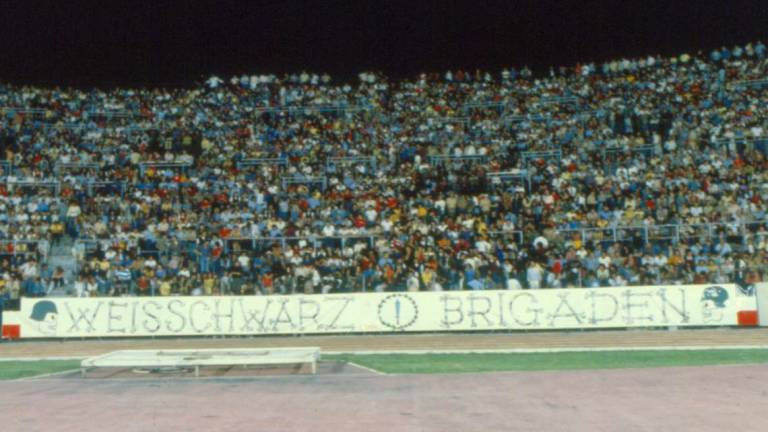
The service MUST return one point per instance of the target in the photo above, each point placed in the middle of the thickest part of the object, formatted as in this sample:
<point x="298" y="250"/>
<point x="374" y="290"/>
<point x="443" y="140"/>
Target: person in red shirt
<point x="266" y="283"/>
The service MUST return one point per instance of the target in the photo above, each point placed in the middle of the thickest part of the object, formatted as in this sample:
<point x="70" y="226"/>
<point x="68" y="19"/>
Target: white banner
<point x="691" y="305"/>
<point x="761" y="291"/>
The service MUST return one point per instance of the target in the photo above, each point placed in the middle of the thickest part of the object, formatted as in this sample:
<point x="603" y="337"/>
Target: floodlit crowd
<point x="632" y="172"/>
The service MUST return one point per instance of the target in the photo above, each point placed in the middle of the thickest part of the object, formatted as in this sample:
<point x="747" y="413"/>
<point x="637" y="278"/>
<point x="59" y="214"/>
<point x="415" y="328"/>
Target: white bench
<point x="193" y="358"/>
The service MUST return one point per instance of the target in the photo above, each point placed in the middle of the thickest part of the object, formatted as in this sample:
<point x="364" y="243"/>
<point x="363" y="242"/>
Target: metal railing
<point x="302" y="180"/>
<point x="515" y="176"/>
<point x="61" y="167"/>
<point x="314" y="109"/>
<point x="441" y="159"/>
<point x="42" y="112"/>
<point x="513" y="119"/>
<point x="743" y="141"/>
<point x="749" y="84"/>
<point x="93" y="186"/>
<point x="611" y="155"/>
<point x="350" y="160"/>
<point x="6" y="168"/>
<point x="315" y="241"/>
<point x="14" y="184"/>
<point x="29" y="246"/>
<point x="645" y="150"/>
<point x="261" y="161"/>
<point x="181" y="166"/>
<point x="729" y="232"/>
<point x="528" y="156"/>
<point x="674" y="233"/>
<point x="498" y="106"/>
<point x="515" y="236"/>
<point x="560" y="100"/>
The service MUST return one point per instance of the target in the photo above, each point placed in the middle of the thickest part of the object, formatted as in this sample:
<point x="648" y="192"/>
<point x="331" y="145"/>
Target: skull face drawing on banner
<point x="45" y="317"/>
<point x="713" y="304"/>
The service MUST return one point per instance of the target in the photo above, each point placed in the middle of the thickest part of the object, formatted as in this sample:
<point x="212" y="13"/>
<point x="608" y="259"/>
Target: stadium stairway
<point x="61" y="256"/>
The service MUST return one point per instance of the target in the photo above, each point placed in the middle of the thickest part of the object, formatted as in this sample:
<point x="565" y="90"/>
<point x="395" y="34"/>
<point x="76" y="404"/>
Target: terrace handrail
<point x="648" y="150"/>
<point x="13" y="183"/>
<point x="443" y="158"/>
<point x="719" y="141"/>
<point x="520" y="118"/>
<point x="674" y="233"/>
<point x="513" y="174"/>
<point x="291" y="180"/>
<point x="6" y="167"/>
<point x="179" y="165"/>
<point x="314" y="240"/>
<point x="349" y="160"/>
<point x="545" y="155"/>
<point x="60" y="166"/>
<point x="15" y="242"/>
<point x="559" y="100"/>
<point x="746" y="84"/>
<point x="313" y="108"/>
<point x="262" y="161"/>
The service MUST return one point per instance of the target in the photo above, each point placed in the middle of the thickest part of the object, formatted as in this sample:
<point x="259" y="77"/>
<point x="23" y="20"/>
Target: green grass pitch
<point x="482" y="362"/>
<point x="22" y="369"/>
<point x="478" y="362"/>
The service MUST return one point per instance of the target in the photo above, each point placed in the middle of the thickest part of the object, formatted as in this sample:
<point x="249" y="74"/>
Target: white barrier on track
<point x="197" y="358"/>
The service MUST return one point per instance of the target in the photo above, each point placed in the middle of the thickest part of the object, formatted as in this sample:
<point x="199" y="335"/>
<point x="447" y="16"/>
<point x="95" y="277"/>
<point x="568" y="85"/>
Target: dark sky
<point x="108" y="42"/>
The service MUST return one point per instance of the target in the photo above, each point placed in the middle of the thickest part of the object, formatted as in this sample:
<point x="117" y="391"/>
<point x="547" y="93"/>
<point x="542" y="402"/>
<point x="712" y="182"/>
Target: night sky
<point x="110" y="43"/>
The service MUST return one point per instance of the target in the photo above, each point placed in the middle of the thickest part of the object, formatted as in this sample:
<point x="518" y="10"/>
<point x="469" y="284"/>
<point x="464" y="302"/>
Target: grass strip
<point x="28" y="368"/>
<point x="488" y="362"/>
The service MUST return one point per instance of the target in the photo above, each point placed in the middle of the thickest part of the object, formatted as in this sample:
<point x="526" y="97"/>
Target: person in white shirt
<point x="29" y="270"/>
<point x="371" y="214"/>
<point x="90" y="287"/>
<point x="483" y="246"/>
<point x="150" y="263"/>
<point x="386" y="225"/>
<point x="244" y="261"/>
<point x="329" y="230"/>
<point x="534" y="274"/>
<point x="413" y="282"/>
<point x="214" y="82"/>
<point x="513" y="284"/>
<point x="80" y="287"/>
<point x="73" y="210"/>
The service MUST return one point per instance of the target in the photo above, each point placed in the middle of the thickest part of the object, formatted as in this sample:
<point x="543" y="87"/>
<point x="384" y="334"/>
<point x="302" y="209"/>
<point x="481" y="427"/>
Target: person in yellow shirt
<point x="395" y="217"/>
<point x="577" y="244"/>
<point x="209" y="283"/>
<point x="165" y="287"/>
<point x="675" y="259"/>
<point x="104" y="266"/>
<point x="427" y="275"/>
<point x="482" y="227"/>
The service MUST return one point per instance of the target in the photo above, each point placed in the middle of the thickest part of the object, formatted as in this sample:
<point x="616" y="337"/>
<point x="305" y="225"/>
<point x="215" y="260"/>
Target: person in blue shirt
<point x="725" y="53"/>
<point x="760" y="50"/>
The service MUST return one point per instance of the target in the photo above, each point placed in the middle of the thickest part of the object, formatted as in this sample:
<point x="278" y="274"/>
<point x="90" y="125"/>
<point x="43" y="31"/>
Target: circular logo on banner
<point x="398" y="311"/>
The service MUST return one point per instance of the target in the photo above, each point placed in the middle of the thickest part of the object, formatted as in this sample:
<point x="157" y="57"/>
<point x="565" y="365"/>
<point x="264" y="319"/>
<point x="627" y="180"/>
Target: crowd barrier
<point x="555" y="309"/>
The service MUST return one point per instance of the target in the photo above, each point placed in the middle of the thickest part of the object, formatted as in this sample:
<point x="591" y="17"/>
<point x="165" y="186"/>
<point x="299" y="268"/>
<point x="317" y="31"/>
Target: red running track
<point x="701" y="399"/>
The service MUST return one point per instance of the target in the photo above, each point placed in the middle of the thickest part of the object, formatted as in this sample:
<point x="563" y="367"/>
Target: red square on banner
<point x="747" y="318"/>
<point x="12" y="331"/>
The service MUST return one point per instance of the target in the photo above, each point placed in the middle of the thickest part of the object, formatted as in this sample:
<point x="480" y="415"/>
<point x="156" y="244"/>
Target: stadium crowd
<point x="632" y="172"/>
